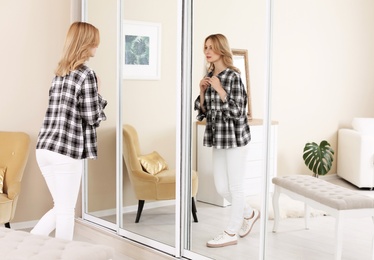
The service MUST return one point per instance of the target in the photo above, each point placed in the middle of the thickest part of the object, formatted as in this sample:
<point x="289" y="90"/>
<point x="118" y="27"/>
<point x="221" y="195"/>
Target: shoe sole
<point x="249" y="230"/>
<point x="222" y="245"/>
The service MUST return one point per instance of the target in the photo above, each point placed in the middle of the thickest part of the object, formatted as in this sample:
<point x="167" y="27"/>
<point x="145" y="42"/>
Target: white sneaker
<point x="222" y="240"/>
<point x="248" y="223"/>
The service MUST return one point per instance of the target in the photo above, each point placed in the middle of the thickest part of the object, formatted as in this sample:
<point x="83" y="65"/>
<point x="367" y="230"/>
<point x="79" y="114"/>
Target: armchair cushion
<point x="2" y="175"/>
<point x="153" y="163"/>
<point x="363" y="125"/>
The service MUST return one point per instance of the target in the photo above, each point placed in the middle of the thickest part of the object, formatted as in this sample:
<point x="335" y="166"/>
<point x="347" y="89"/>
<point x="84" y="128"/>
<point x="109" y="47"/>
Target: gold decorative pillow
<point x="153" y="163"/>
<point x="2" y="175"/>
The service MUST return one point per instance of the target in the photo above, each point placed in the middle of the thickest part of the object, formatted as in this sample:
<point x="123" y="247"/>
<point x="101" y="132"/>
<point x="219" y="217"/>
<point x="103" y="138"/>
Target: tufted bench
<point x="335" y="200"/>
<point x="23" y="245"/>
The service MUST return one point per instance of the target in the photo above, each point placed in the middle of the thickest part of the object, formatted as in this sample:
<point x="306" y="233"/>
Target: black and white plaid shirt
<point x="74" y="111"/>
<point x="226" y="122"/>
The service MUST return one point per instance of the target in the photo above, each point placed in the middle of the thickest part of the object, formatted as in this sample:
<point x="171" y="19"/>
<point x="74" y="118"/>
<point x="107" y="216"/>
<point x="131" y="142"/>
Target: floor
<point x="291" y="241"/>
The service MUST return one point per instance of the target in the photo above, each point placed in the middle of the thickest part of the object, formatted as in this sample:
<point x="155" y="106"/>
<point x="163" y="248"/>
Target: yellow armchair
<point x="14" y="152"/>
<point x="147" y="186"/>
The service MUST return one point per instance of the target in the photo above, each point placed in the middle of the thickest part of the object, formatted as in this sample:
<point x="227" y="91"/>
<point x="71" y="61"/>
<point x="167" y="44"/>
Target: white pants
<point x="63" y="176"/>
<point x="229" y="166"/>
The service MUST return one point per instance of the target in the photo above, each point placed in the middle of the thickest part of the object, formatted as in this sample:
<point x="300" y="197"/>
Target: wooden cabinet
<point x="253" y="177"/>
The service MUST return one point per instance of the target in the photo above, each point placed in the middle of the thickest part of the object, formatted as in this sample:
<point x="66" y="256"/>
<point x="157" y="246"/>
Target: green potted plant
<point x="318" y="158"/>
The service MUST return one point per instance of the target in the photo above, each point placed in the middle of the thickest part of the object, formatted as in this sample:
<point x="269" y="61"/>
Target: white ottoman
<point x="20" y="245"/>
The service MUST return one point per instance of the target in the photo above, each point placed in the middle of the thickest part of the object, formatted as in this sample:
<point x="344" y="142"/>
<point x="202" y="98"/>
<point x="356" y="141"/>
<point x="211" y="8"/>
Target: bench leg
<point x="338" y="238"/>
<point x="372" y="245"/>
<point x="307" y="215"/>
<point x="276" y="207"/>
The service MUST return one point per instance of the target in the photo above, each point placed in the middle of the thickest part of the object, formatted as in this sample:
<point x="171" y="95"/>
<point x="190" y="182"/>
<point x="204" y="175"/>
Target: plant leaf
<point x="318" y="158"/>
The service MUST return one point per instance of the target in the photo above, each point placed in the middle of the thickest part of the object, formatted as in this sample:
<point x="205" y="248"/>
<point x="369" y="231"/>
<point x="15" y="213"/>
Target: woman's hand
<point x="98" y="84"/>
<point x="216" y="84"/>
<point x="204" y="84"/>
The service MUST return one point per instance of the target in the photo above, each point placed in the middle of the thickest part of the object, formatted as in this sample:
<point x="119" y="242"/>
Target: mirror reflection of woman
<point x="222" y="101"/>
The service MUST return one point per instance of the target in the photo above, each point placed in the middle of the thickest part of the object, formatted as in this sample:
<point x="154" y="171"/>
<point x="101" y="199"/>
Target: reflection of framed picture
<point x="142" y="50"/>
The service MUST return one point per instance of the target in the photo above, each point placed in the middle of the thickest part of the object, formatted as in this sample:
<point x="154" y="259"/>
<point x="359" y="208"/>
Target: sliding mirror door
<point x="100" y="177"/>
<point x="149" y="122"/>
<point x="244" y="23"/>
<point x="152" y="109"/>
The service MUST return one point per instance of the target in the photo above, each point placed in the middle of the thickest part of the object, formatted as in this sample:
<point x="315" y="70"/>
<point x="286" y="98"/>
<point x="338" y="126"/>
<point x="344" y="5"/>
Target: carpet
<point x="288" y="208"/>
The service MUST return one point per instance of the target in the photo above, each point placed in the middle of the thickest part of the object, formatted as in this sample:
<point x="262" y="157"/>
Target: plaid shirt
<point x="226" y="122"/>
<point x="75" y="110"/>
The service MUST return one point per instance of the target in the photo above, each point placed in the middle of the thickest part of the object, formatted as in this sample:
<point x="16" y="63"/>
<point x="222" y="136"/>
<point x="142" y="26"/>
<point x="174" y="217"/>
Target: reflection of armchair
<point x="147" y="186"/>
<point x="14" y="152"/>
<point x="356" y="155"/>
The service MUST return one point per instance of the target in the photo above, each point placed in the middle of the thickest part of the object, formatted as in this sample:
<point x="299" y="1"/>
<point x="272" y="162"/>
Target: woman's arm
<point x="92" y="103"/>
<point x="236" y="99"/>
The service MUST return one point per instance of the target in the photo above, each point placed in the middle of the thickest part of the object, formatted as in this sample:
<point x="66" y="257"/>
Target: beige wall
<point x="33" y="33"/>
<point x="322" y="59"/>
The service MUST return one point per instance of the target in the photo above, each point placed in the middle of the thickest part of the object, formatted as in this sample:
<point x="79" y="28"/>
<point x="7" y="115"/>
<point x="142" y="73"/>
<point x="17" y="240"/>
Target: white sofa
<point x="355" y="155"/>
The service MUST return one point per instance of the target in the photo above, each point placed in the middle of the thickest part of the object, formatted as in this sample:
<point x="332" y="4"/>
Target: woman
<point x="222" y="101"/>
<point x="68" y="134"/>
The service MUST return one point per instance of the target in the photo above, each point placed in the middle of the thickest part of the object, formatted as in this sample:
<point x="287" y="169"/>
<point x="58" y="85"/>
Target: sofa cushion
<point x="363" y="125"/>
<point x="153" y="163"/>
<point x="2" y="176"/>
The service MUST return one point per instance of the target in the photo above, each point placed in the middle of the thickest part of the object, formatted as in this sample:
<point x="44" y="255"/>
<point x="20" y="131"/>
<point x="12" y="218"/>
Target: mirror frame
<point x="244" y="53"/>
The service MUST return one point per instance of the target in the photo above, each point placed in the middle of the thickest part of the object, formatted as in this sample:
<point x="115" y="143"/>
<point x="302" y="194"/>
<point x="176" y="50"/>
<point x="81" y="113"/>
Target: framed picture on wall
<point x="142" y="50"/>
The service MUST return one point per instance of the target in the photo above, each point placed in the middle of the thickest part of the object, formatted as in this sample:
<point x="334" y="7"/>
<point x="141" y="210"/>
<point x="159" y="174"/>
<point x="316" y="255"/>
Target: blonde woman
<point x="222" y="101"/>
<point x="68" y="133"/>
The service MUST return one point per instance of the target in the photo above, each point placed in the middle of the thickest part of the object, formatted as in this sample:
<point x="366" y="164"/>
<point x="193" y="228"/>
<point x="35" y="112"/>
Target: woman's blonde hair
<point x="80" y="39"/>
<point x="220" y="45"/>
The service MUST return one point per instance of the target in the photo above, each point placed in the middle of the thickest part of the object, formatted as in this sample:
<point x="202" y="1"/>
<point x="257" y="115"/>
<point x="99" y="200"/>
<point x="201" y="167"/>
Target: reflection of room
<point x="322" y="56"/>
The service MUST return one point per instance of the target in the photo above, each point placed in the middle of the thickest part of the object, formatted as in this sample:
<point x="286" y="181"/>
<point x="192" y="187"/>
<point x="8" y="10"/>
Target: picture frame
<point x="142" y="50"/>
<point x="240" y="60"/>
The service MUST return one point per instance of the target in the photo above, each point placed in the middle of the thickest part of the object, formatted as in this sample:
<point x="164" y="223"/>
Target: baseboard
<point x="23" y="225"/>
<point x="329" y="176"/>
<point x="102" y="213"/>
<point x="134" y="208"/>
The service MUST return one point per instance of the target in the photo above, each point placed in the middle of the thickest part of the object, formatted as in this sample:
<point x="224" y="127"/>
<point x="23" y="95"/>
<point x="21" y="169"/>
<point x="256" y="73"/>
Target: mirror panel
<point x="101" y="173"/>
<point x="248" y="45"/>
<point x="149" y="107"/>
<point x="156" y="126"/>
